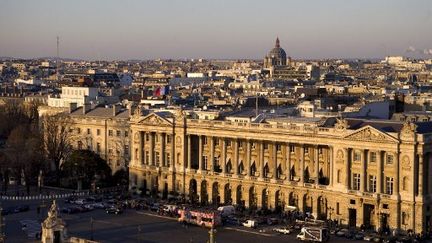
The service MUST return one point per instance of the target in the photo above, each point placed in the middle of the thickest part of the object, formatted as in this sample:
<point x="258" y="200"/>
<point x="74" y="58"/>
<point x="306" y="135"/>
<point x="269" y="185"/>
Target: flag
<point x="157" y="92"/>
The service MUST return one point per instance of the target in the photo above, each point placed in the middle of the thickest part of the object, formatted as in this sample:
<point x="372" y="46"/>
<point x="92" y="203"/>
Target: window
<point x="306" y="150"/>
<point x="168" y="138"/>
<point x="98" y="148"/>
<point x="204" y="165"/>
<point x="168" y="159"/>
<point x="357" y="156"/>
<point x="356" y="181"/>
<point x="385" y="206"/>
<point x="126" y="149"/>
<point x="110" y="133"/>
<point x="404" y="218"/>
<point x="291" y="148"/>
<point x="126" y="133"/>
<point x="372" y="183"/>
<point x="337" y="208"/>
<point x="88" y="131"/>
<point x="265" y="146"/>
<point x="79" y="130"/>
<point x="352" y="201"/>
<point x="372" y="157"/>
<point x="389" y="185"/>
<point x="157" y="158"/>
<point x="216" y="142"/>
<point x="147" y="137"/>
<point x="98" y="132"/>
<point x="278" y="147"/>
<point x="389" y="159"/>
<point x="118" y="133"/>
<point x="240" y="144"/>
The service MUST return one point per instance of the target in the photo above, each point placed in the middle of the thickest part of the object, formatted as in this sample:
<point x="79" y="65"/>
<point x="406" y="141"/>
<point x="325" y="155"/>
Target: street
<point x="139" y="226"/>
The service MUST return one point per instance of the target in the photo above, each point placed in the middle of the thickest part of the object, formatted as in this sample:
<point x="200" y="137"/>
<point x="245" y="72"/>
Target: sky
<point x="217" y="29"/>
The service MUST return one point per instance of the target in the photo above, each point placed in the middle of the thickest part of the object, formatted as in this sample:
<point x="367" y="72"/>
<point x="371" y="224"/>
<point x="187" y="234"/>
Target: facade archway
<point x="264" y="199"/>
<point x="239" y="196"/>
<point x="193" y="192"/>
<point x="279" y="201"/>
<point x="322" y="208"/>
<point x="215" y="194"/>
<point x="204" y="194"/>
<point x="293" y="200"/>
<point x="307" y="204"/>
<point x="227" y="194"/>
<point x="252" y="198"/>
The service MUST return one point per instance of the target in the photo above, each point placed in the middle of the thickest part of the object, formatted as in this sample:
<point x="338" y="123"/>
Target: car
<point x="284" y="231"/>
<point x="342" y="232"/>
<point x="80" y="201"/>
<point x="114" y="210"/>
<point x="369" y="237"/>
<point x="87" y="207"/>
<point x="272" y="221"/>
<point x="359" y="236"/>
<point x="99" y="205"/>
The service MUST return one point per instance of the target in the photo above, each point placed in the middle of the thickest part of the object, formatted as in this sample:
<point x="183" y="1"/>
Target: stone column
<point x="141" y="148"/>
<point x="248" y="157"/>
<point x="275" y="163"/>
<point x="212" y="157"/>
<point x="419" y="173"/>
<point x="331" y="165"/>
<point x="363" y="170"/>
<point x="235" y="162"/>
<point x="261" y="159"/>
<point x="347" y="168"/>
<point x="200" y="148"/>
<point x="288" y="157"/>
<point x="223" y="157"/>
<point x="302" y="163"/>
<point x="316" y="161"/>
<point x="162" y="150"/>
<point x="397" y="179"/>
<point x="189" y="152"/>
<point x="152" y="148"/>
<point x="379" y="171"/>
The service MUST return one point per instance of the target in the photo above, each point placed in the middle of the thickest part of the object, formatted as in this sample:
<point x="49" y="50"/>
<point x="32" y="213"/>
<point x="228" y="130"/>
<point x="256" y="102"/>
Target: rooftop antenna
<point x="58" y="57"/>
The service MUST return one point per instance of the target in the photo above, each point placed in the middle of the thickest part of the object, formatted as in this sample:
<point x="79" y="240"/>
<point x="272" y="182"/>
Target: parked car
<point x="342" y="232"/>
<point x="114" y="210"/>
<point x="99" y="205"/>
<point x="284" y="231"/>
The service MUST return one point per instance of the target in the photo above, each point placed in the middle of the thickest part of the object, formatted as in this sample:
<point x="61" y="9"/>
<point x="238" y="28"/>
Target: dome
<point x="277" y="51"/>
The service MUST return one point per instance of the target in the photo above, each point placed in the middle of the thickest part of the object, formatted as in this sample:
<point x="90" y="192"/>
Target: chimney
<point x="86" y="108"/>
<point x="72" y="107"/>
<point x="115" y="110"/>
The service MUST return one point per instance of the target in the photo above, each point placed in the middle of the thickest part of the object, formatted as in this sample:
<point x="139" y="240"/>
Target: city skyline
<point x="215" y="30"/>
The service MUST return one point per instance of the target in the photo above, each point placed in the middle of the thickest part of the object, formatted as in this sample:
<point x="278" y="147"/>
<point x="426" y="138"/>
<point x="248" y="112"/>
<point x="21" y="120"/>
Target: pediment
<point x="370" y="134"/>
<point x="154" y="119"/>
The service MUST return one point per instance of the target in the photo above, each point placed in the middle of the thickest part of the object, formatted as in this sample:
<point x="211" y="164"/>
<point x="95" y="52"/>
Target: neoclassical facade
<point x="375" y="173"/>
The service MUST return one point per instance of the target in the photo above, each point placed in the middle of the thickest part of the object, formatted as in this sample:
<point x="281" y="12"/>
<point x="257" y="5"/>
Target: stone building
<point x="375" y="173"/>
<point x="103" y="130"/>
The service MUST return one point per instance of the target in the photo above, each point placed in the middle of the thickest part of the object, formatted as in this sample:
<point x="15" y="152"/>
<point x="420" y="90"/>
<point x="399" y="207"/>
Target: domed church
<point x="276" y="56"/>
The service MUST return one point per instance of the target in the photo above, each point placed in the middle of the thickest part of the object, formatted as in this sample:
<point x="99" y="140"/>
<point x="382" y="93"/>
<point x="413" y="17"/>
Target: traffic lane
<point x="125" y="228"/>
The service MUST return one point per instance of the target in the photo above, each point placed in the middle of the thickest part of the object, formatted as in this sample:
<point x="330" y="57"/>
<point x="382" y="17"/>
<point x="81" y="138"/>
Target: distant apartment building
<point x="77" y="95"/>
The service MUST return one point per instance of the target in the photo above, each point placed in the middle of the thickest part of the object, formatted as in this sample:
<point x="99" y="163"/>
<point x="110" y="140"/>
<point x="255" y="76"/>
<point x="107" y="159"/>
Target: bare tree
<point x="57" y="138"/>
<point x="23" y="150"/>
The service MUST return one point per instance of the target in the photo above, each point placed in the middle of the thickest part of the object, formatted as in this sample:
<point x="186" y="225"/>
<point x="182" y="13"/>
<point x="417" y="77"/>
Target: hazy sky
<point x="145" y="29"/>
